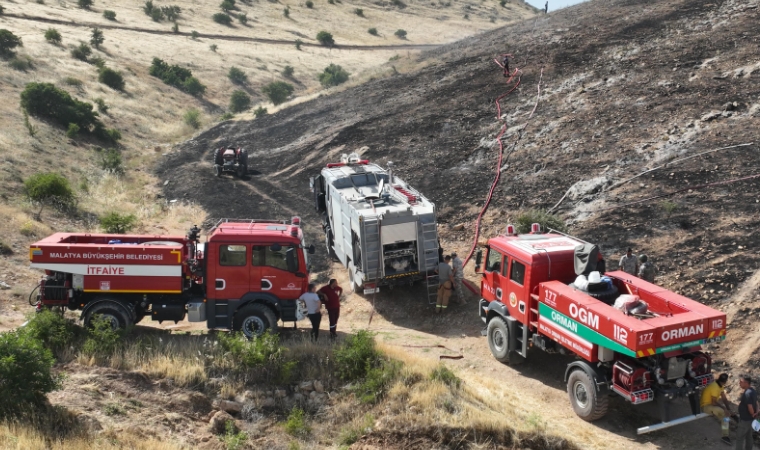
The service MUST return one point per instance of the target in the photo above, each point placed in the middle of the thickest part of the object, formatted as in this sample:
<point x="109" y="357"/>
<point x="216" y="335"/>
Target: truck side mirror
<point x="478" y="259"/>
<point x="312" y="249"/>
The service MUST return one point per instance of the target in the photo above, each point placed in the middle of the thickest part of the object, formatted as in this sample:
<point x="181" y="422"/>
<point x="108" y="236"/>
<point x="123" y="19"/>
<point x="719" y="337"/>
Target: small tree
<point x="193" y="118"/>
<point x="372" y="31"/>
<point x="110" y="15"/>
<point x="194" y="87"/>
<point x="84" y="4"/>
<point x="243" y="18"/>
<point x="237" y="76"/>
<point x="48" y="188"/>
<point x="298" y="44"/>
<point x="325" y="38"/>
<point x="227" y="5"/>
<point x="222" y="18"/>
<point x="53" y="36"/>
<point x="309" y="4"/>
<point x="96" y="37"/>
<point x="111" y="78"/>
<point x="101" y="104"/>
<point x="359" y="12"/>
<point x="213" y="47"/>
<point x="116" y="223"/>
<point x="72" y="131"/>
<point x="148" y="8"/>
<point x="401" y="34"/>
<point x="82" y="52"/>
<point x="240" y="101"/>
<point x="333" y="75"/>
<point x="278" y="91"/>
<point x="288" y="71"/>
<point x="8" y="42"/>
<point x="260" y="111"/>
<point x="110" y="161"/>
<point x="286" y="12"/>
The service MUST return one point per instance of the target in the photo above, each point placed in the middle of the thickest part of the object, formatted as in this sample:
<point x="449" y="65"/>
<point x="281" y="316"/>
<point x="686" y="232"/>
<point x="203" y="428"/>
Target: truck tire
<point x="218" y="159"/>
<point x="110" y="311"/>
<point x="242" y="170"/>
<point x="254" y="320"/>
<point x="588" y="403"/>
<point x="498" y="342"/>
<point x="217" y="170"/>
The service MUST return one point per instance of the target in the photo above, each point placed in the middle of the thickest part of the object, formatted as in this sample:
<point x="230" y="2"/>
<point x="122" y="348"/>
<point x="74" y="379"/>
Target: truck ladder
<point x="432" y="288"/>
<point x="429" y="247"/>
<point x="371" y="258"/>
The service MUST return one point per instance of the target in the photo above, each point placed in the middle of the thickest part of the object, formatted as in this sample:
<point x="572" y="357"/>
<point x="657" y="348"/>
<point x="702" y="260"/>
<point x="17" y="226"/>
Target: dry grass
<point x="18" y="437"/>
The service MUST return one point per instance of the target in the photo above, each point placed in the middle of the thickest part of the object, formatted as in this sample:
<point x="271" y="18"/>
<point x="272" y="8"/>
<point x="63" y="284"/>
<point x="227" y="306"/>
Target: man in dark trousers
<point x="546" y="7"/>
<point x="505" y="63"/>
<point x="313" y="306"/>
<point x="747" y="413"/>
<point x="332" y="293"/>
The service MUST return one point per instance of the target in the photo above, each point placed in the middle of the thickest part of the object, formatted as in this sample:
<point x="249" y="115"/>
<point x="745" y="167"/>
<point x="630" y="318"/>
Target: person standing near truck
<point x="313" y="306"/>
<point x="458" y="267"/>
<point x="332" y="293"/>
<point x="647" y="269"/>
<point x="445" y="282"/>
<point x="747" y="413"/>
<point x="629" y="263"/>
<point x="711" y="396"/>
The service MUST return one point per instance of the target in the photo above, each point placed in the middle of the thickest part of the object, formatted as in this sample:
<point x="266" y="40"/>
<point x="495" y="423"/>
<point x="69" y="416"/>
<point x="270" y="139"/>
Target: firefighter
<point x="445" y="282"/>
<point x="458" y="267"/>
<point x="647" y="269"/>
<point x="505" y="64"/>
<point x="313" y="307"/>
<point x="747" y="413"/>
<point x="629" y="263"/>
<point x="710" y="404"/>
<point x="546" y="7"/>
<point x="332" y="293"/>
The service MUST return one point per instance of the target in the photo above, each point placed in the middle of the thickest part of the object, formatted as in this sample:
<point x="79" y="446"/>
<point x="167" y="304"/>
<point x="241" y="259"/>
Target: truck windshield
<point x="286" y="258"/>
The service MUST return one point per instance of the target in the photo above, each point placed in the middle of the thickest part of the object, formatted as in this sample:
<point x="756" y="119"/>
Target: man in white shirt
<point x="313" y="307"/>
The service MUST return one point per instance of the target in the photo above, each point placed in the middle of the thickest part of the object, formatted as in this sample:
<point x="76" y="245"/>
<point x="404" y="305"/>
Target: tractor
<point x="231" y="159"/>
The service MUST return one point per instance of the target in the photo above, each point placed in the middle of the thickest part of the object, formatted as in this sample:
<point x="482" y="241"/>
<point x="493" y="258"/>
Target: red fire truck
<point x="246" y="276"/>
<point x="630" y="337"/>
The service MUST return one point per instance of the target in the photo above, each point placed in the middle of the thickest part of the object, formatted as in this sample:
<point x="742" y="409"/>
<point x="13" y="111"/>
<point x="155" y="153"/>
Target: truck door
<point x="492" y="287"/>
<point x="232" y="272"/>
<point x="281" y="271"/>
<point x="516" y="294"/>
<point x="318" y="188"/>
<point x="255" y="273"/>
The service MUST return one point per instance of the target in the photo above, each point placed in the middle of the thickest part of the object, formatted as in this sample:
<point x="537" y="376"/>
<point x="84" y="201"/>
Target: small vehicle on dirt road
<point x="247" y="276"/>
<point x="630" y="337"/>
<point x="231" y="159"/>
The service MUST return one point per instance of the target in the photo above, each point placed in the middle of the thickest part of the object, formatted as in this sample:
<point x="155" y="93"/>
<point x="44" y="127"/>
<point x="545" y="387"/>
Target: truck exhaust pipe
<point x="672" y="423"/>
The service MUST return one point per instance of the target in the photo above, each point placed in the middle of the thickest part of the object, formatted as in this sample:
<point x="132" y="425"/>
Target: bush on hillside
<point x="401" y="34"/>
<point x="355" y="356"/>
<point x="177" y="76"/>
<point x="277" y="91"/>
<point x="82" y="52"/>
<point x="333" y="75"/>
<point x="84" y="4"/>
<point x="298" y="43"/>
<point x="251" y="353"/>
<point x="192" y="118"/>
<point x="372" y="31"/>
<point x="359" y="12"/>
<point x="8" y="42"/>
<point x="101" y="104"/>
<point x="239" y="101"/>
<point x="110" y="15"/>
<point x="325" y="38"/>
<point x="46" y="100"/>
<point x="53" y="36"/>
<point x="111" y="78"/>
<point x="309" y="4"/>
<point x="222" y="18"/>
<point x="49" y="188"/>
<point x="243" y="18"/>
<point x="110" y="161"/>
<point x="53" y="331"/>
<point x="117" y="223"/>
<point x="72" y="131"/>
<point x="194" y="87"/>
<point x="531" y="216"/>
<point x="260" y="111"/>
<point x="96" y="37"/>
<point x="25" y="371"/>
<point x="21" y="63"/>
<point x="288" y="71"/>
<point x="171" y="12"/>
<point x="237" y="76"/>
<point x="227" y="5"/>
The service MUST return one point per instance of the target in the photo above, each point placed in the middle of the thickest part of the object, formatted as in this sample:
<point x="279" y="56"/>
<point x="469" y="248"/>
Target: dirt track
<point x="627" y="85"/>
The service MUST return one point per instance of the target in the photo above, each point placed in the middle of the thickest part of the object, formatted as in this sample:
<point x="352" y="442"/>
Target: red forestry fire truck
<point x="630" y="337"/>
<point x="246" y="276"/>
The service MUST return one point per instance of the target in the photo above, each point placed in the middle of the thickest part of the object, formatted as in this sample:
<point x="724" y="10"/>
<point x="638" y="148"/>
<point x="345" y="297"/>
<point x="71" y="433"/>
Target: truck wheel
<point x="242" y="170"/>
<point x="218" y="170"/>
<point x="587" y="402"/>
<point x="111" y="312"/>
<point x="218" y="159"/>
<point x="498" y="342"/>
<point x="254" y="320"/>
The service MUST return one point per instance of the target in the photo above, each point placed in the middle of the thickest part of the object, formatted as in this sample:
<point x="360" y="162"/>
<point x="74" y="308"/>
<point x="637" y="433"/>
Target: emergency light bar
<point x="535" y="228"/>
<point x="511" y="231"/>
<point x="295" y="220"/>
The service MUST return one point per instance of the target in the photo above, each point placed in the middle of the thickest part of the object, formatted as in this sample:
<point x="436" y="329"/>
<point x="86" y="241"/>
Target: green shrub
<point x="177" y="76"/>
<point x="52" y="330"/>
<point x="445" y="376"/>
<point x="377" y="381"/>
<point x="71" y="81"/>
<point x="96" y="37"/>
<point x="355" y="356"/>
<point x="98" y="62"/>
<point x="351" y="433"/>
<point x="372" y="31"/>
<point x="46" y="100"/>
<point x="227" y="5"/>
<point x="398" y="3"/>
<point x="8" y="42"/>
<point x="109" y="135"/>
<point x="171" y="12"/>
<point x="72" y="131"/>
<point x="260" y="111"/>
<point x="84" y="4"/>
<point x="401" y="34"/>
<point x="102" y="339"/>
<point x="175" y="28"/>
<point x="325" y="38"/>
<point x="222" y="18"/>
<point x="157" y="15"/>
<point x="53" y="36"/>
<point x="239" y="101"/>
<point x="503" y="3"/>
<point x="2" y="10"/>
<point x="194" y="35"/>
<point x="286" y="11"/>
<point x="526" y="218"/>
<point x="253" y="352"/>
<point x="21" y="63"/>
<point x="5" y="249"/>
<point x="296" y="424"/>
<point x="111" y="78"/>
<point x="213" y="47"/>
<point x="233" y="439"/>
<point x="110" y="15"/>
<point x="333" y="75"/>
<point x="298" y="43"/>
<point x="49" y="188"/>
<point x="288" y="71"/>
<point x="101" y="104"/>
<point x="110" y="161"/>
<point x="114" y="409"/>
<point x="309" y="4"/>
<point x="278" y="91"/>
<point x="243" y="18"/>
<point x="29" y="127"/>
<point x="237" y="76"/>
<point x="116" y="223"/>
<point x="148" y="7"/>
<point x="193" y="87"/>
<point x="82" y="52"/>
<point x="226" y="116"/>
<point x="192" y="118"/>
<point x="359" y="12"/>
<point x="25" y="371"/>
